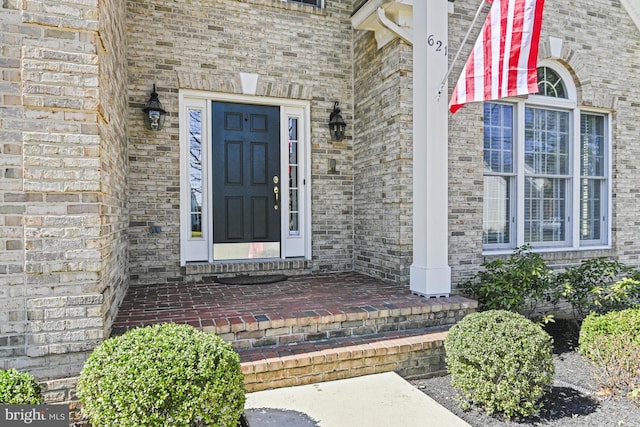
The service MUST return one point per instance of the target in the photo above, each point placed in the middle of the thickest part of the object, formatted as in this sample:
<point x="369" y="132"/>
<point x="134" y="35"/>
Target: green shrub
<point x="500" y="361"/>
<point x="163" y="375"/>
<point x="18" y="388"/>
<point x="612" y="342"/>
<point x="597" y="285"/>
<point x="516" y="284"/>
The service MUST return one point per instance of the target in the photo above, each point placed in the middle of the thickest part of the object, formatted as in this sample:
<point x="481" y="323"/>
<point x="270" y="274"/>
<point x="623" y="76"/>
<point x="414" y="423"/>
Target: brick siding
<point x="63" y="261"/>
<point x="81" y="180"/>
<point x="298" y="51"/>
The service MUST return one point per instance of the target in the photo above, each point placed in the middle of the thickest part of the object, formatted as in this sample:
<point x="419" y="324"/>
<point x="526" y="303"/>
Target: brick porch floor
<point x="306" y="321"/>
<point x="206" y="305"/>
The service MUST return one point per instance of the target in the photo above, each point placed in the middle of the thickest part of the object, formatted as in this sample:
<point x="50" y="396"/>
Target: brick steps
<point x="320" y="346"/>
<point x="410" y="353"/>
<point x="308" y="328"/>
<point x="267" y="330"/>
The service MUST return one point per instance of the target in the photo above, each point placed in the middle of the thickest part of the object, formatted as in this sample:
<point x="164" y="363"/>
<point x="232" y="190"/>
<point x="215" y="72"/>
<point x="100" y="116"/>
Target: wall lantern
<point x="337" y="124"/>
<point x="153" y="112"/>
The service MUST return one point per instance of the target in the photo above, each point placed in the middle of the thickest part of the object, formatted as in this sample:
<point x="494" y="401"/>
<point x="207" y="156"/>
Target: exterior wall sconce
<point x="154" y="114"/>
<point x="337" y="124"/>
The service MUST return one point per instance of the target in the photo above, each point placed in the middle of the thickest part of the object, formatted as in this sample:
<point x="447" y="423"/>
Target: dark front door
<point x="246" y="178"/>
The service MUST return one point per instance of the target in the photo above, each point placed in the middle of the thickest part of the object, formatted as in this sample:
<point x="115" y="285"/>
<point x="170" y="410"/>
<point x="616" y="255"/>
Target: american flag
<point x="503" y="61"/>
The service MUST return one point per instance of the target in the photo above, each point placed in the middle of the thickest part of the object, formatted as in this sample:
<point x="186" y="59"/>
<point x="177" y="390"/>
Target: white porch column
<point x="430" y="271"/>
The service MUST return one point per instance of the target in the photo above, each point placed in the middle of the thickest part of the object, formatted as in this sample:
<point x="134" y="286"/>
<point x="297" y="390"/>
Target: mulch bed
<point x="576" y="399"/>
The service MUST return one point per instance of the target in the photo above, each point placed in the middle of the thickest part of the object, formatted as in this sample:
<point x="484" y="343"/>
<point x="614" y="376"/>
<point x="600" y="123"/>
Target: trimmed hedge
<point x="612" y="342"/>
<point x="163" y="375"/>
<point x="18" y="388"/>
<point x="501" y="362"/>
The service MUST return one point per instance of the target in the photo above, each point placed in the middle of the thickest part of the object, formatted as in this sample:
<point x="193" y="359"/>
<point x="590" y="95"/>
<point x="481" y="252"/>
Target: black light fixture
<point x="153" y="112"/>
<point x="337" y="124"/>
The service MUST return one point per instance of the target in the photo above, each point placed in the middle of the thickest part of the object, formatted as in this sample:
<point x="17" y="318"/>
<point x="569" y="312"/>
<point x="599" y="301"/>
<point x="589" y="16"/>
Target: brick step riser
<point x="300" y="330"/>
<point x="411" y="357"/>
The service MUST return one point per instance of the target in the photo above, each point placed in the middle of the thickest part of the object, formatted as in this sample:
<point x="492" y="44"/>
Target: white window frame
<point x="201" y="249"/>
<point x="572" y="241"/>
<point x="192" y="247"/>
<point x="321" y="5"/>
<point x="513" y="179"/>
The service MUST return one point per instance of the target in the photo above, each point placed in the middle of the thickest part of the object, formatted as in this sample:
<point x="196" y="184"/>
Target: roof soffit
<point x="388" y="19"/>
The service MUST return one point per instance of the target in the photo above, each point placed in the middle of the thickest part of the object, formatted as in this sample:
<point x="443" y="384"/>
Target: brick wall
<point x="114" y="177"/>
<point x="465" y="161"/>
<point x="63" y="257"/>
<point x="382" y="158"/>
<point x="12" y="208"/>
<point x="298" y="51"/>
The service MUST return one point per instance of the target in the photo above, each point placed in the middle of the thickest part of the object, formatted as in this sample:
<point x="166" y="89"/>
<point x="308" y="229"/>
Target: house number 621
<point x="438" y="45"/>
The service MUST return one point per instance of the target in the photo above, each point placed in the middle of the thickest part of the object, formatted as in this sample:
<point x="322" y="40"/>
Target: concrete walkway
<point x="379" y="400"/>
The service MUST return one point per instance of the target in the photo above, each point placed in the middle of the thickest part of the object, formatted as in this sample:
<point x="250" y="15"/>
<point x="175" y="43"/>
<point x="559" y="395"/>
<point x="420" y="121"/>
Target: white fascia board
<point x="388" y="19"/>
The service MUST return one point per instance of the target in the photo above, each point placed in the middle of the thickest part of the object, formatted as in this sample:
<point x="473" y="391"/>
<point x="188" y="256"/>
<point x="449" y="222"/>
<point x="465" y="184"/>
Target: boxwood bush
<point x="612" y="342"/>
<point x="163" y="375"/>
<point x="18" y="388"/>
<point x="501" y="362"/>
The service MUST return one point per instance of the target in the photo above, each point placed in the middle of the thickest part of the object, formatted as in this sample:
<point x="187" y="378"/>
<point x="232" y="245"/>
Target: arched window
<point x="546" y="169"/>
<point x="550" y="83"/>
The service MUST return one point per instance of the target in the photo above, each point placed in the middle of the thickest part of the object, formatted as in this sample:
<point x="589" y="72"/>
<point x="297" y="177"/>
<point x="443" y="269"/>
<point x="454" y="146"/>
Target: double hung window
<point x="546" y="170"/>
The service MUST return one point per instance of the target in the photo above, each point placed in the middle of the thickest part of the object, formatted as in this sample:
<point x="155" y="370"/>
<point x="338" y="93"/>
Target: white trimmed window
<point x="546" y="170"/>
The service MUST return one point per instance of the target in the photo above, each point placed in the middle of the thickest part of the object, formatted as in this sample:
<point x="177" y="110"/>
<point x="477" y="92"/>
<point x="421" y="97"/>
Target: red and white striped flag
<point x="504" y="59"/>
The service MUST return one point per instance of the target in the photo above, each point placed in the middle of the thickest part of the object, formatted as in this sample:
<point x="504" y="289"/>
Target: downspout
<point x="393" y="27"/>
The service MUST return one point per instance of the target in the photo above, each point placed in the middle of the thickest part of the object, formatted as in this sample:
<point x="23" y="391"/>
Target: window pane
<point x="497" y="210"/>
<point x="550" y="83"/>
<point x="317" y="3"/>
<point x="195" y="171"/>
<point x="590" y="209"/>
<point x="498" y="138"/>
<point x="546" y="141"/>
<point x="592" y="171"/>
<point x="591" y="145"/>
<point x="545" y="205"/>
<point x="294" y="190"/>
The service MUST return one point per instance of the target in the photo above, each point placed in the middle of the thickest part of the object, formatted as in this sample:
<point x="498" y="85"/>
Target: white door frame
<point x="200" y="248"/>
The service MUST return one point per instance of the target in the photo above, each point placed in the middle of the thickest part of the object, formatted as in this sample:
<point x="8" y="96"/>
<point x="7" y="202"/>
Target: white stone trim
<point x="388" y="19"/>
<point x="249" y="83"/>
<point x="633" y="8"/>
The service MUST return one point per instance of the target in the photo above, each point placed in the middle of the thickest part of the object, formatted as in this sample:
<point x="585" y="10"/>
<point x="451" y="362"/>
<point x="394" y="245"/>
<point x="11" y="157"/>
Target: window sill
<point x="555" y="250"/>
